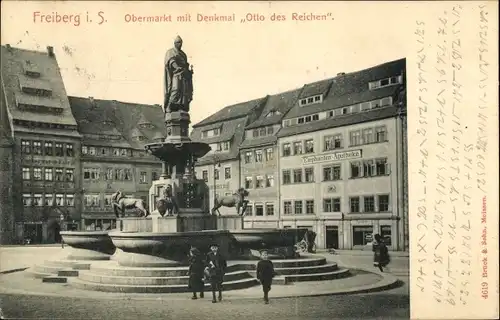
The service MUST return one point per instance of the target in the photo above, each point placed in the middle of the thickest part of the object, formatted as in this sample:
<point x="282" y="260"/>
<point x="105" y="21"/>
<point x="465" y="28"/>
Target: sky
<point x="233" y="61"/>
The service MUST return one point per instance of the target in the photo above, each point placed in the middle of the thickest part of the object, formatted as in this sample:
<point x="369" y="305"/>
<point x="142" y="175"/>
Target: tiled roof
<point x="238" y="110"/>
<point x="366" y="116"/>
<point x="111" y="117"/>
<point x="264" y="141"/>
<point x="281" y="102"/>
<point x="14" y="61"/>
<point x="350" y="88"/>
<point x="315" y="88"/>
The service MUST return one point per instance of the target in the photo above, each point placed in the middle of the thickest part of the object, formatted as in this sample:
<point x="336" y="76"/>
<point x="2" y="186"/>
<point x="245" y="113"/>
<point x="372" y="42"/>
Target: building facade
<point x="331" y="157"/>
<point x="56" y="151"/>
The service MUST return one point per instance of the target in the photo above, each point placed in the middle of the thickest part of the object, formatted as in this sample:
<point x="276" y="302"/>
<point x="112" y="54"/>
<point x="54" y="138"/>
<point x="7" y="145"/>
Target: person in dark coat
<point x="265" y="274"/>
<point x="381" y="253"/>
<point x="216" y="265"/>
<point x="196" y="267"/>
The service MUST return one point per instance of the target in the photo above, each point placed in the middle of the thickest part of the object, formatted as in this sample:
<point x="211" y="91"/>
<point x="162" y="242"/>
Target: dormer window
<point x="272" y="113"/>
<point x="385" y="82"/>
<point x="211" y="133"/>
<point x="30" y="69"/>
<point x="311" y="100"/>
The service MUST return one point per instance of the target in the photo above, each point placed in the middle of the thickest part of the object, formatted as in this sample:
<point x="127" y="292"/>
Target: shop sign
<point x="220" y="186"/>
<point x="337" y="156"/>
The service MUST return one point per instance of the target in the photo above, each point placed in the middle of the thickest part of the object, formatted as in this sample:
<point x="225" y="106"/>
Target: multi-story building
<point x="46" y="144"/>
<point x="113" y="156"/>
<point x="62" y="157"/>
<point x="330" y="157"/>
<point x="259" y="161"/>
<point x="224" y="131"/>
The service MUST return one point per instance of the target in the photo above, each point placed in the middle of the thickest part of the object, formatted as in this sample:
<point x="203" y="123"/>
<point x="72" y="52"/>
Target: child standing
<point x="265" y="274"/>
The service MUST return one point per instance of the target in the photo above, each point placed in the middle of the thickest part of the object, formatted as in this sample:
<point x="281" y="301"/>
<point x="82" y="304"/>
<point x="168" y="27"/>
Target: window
<point x="85" y="150"/>
<point x="93" y="174"/>
<point x="116" y="151"/>
<point x="92" y="200"/>
<point x="205" y="134"/>
<point x="259" y="210"/>
<point x="70" y="174"/>
<point x="59" y="150"/>
<point x="216" y="174"/>
<point x="309" y="173"/>
<point x="70" y="200"/>
<point x="310" y="146"/>
<point x="108" y="200"/>
<point x="37" y="173"/>
<point x="382" y="167"/>
<point x="368" y="168"/>
<point x="383" y="203"/>
<point x="297" y="207"/>
<point x="355" y="169"/>
<point x="104" y="151"/>
<point x="368" y="135"/>
<point x="269" y="154"/>
<point x="205" y="175"/>
<point x="37" y="147"/>
<point x="216" y="131"/>
<point x="355" y="138"/>
<point x="59" y="200"/>
<point x="48" y="199"/>
<point x="26" y="173"/>
<point x="331" y="173"/>
<point x="128" y="174"/>
<point x="269" y="181"/>
<point x="248" y="182"/>
<point x="297" y="147"/>
<point x="331" y="205"/>
<point x="387" y="101"/>
<point x="270" y="130"/>
<point x="227" y="173"/>
<point x="249" y="210"/>
<point x="333" y="142"/>
<point x="354" y="204"/>
<point x="286" y="149"/>
<point x="25" y="147"/>
<point x="248" y="157"/>
<point x="37" y="200"/>
<point x="258" y="156"/>
<point x="255" y="133"/>
<point x="109" y="174"/>
<point x="369" y="204"/>
<point x="269" y="209"/>
<point x="59" y="174"/>
<point x="310" y="206"/>
<point x="154" y="176"/>
<point x="27" y="200"/>
<point x="381" y="134"/>
<point x="262" y="132"/>
<point x="143" y="177"/>
<point x="259" y="182"/>
<point x="47" y="146"/>
<point x="48" y="173"/>
<point x="386" y="234"/>
<point x="287" y="179"/>
<point x="297" y="175"/>
<point x="226" y="145"/>
<point x="361" y="236"/>
<point x="287" y="207"/>
<point x="69" y="150"/>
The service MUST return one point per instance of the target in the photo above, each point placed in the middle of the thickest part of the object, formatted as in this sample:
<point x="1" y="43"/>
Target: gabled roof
<point x="351" y="88"/>
<point x="111" y="117"/>
<point x="14" y="61"/>
<point x="259" y="142"/>
<point x="235" y="111"/>
<point x="281" y="102"/>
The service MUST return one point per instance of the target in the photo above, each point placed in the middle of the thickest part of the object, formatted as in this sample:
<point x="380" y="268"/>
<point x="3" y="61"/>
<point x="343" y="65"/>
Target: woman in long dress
<point x="381" y="253"/>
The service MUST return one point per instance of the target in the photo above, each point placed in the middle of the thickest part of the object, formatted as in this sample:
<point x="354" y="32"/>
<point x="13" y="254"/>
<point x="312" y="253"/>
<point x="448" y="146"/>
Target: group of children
<point x="213" y="268"/>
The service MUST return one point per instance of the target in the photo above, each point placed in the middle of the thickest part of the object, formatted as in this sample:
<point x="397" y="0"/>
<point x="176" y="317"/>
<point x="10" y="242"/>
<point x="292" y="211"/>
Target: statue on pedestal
<point x="237" y="200"/>
<point x="178" y="79"/>
<point x="120" y="202"/>
<point x="167" y="205"/>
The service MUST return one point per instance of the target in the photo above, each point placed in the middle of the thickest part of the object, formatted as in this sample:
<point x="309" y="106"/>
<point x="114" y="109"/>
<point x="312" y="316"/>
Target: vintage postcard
<point x="249" y="160"/>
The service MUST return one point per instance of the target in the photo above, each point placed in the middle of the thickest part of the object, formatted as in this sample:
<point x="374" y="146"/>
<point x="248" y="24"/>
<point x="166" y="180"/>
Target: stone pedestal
<point x="177" y="126"/>
<point x="233" y="222"/>
<point x="135" y="224"/>
<point x="186" y="221"/>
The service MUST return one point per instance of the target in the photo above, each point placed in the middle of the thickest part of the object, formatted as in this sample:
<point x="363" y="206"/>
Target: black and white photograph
<point x="237" y="160"/>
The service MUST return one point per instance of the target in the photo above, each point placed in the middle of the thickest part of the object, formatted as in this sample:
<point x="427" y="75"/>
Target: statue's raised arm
<point x="178" y="79"/>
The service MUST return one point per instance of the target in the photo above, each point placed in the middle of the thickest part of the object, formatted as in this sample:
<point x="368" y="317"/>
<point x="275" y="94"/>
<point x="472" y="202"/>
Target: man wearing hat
<point x="265" y="274"/>
<point x="217" y="265"/>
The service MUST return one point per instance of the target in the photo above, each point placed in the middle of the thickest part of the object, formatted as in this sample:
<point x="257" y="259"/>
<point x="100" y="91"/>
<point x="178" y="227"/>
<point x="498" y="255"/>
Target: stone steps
<point x="78" y="265"/>
<point x="89" y="276"/>
<point x="307" y="270"/>
<point x="230" y="285"/>
<point x="337" y="274"/>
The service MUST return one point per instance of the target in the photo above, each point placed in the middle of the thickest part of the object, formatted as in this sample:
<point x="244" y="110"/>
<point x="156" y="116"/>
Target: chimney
<point x="8" y="47"/>
<point x="50" y="51"/>
<point x="92" y="102"/>
<point x="340" y="74"/>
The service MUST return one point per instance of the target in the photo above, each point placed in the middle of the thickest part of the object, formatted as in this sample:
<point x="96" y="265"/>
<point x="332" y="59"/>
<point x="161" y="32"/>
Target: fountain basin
<point x="142" y="249"/>
<point x="267" y="238"/>
<point x="88" y="245"/>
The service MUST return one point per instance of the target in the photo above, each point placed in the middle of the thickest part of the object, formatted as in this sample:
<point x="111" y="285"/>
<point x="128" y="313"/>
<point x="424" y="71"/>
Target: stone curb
<point x="396" y="254"/>
<point x="387" y="282"/>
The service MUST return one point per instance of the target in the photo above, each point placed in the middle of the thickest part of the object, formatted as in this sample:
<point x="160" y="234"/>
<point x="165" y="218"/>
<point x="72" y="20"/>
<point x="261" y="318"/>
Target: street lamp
<point x="216" y="165"/>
